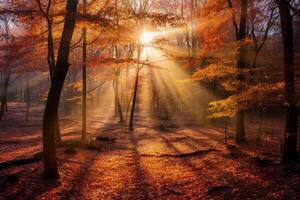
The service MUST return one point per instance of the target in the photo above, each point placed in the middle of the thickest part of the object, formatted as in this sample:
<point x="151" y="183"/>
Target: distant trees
<point x="252" y="89"/>
<point x="226" y="36"/>
<point x="6" y="70"/>
<point x="261" y="21"/>
<point x="5" y="82"/>
<point x="13" y="54"/>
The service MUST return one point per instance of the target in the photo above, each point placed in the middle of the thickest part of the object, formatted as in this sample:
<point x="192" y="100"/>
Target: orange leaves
<point x="213" y="21"/>
<point x="215" y="71"/>
<point x="262" y="94"/>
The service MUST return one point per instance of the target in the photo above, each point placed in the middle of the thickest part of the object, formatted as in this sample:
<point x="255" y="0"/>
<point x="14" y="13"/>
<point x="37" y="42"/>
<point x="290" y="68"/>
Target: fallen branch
<point x="173" y="191"/>
<point x="218" y="188"/>
<point x="10" y="141"/>
<point x="183" y="155"/>
<point x="35" y="158"/>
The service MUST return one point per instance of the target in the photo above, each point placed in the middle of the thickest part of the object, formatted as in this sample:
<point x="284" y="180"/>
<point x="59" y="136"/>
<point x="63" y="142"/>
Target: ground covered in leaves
<point x="156" y="161"/>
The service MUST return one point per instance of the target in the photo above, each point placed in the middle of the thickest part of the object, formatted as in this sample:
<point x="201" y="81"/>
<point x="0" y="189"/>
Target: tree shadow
<point x="198" y="141"/>
<point x="33" y="187"/>
<point x="221" y="175"/>
<point x="143" y="189"/>
<point x="75" y="188"/>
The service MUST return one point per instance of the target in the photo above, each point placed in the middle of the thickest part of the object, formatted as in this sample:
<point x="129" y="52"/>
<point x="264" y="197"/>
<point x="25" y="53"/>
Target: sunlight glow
<point x="147" y="37"/>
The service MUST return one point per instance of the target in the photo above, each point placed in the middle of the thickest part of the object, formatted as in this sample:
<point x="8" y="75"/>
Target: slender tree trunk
<point x="117" y="71"/>
<point x="4" y="93"/>
<point x="51" y="64"/>
<point x="240" y="115"/>
<point x="84" y="91"/>
<point x="50" y="58"/>
<point x="51" y="109"/>
<point x="135" y="92"/>
<point x="225" y="130"/>
<point x="1" y="85"/>
<point x="84" y="76"/>
<point x="20" y="88"/>
<point x="117" y="100"/>
<point x="28" y="98"/>
<point x="155" y="102"/>
<point x="193" y="37"/>
<point x="289" y="150"/>
<point x="134" y="100"/>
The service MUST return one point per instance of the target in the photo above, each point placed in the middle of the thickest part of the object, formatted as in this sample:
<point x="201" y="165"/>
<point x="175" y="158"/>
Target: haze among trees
<point x="149" y="99"/>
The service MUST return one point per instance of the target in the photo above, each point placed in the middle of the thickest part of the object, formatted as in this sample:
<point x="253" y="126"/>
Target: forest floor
<point x="155" y="161"/>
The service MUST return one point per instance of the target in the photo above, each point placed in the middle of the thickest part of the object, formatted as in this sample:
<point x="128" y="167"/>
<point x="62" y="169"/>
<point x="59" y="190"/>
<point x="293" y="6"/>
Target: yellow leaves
<point x="230" y="85"/>
<point x="248" y="42"/>
<point x="262" y="94"/>
<point x="78" y="85"/>
<point x="214" y="71"/>
<point x="213" y="25"/>
<point x="245" y="43"/>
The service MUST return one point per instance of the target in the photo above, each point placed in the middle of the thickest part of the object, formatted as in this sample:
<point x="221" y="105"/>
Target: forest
<point x="149" y="99"/>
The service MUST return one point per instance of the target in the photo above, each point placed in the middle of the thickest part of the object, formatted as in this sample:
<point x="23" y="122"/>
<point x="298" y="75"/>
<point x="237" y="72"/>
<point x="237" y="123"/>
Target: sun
<point x="147" y="37"/>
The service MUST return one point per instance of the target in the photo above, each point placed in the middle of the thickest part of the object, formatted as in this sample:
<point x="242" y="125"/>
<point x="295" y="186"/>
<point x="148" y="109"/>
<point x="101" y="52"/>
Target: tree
<point x="240" y="32"/>
<point x="260" y="21"/>
<point x="289" y="148"/>
<point x="84" y="75"/>
<point x="50" y="56"/>
<point x="136" y="84"/>
<point x="6" y="72"/>
<point x="27" y="97"/>
<point x="51" y="109"/>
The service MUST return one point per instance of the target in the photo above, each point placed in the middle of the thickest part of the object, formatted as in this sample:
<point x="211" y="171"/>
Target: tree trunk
<point x="134" y="100"/>
<point x="58" y="140"/>
<point x="51" y="109"/>
<point x="51" y="64"/>
<point x="28" y="98"/>
<point x="240" y="115"/>
<point x="135" y="88"/>
<point x="84" y="136"/>
<point x="20" y="88"/>
<point x="4" y="93"/>
<point x="84" y="76"/>
<point x="118" y="105"/>
<point x="289" y="150"/>
<point x="117" y="99"/>
<point x="154" y="99"/>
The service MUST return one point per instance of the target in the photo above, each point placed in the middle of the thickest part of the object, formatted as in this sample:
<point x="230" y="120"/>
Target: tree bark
<point x="289" y="147"/>
<point x="117" y="99"/>
<point x="28" y="98"/>
<point x="58" y="140"/>
<point x="240" y="115"/>
<point x="84" y="91"/>
<point x="4" y="93"/>
<point x="135" y="88"/>
<point x="84" y="76"/>
<point x="7" y="73"/>
<point x="134" y="100"/>
<point x="51" y="59"/>
<point x="51" y="109"/>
